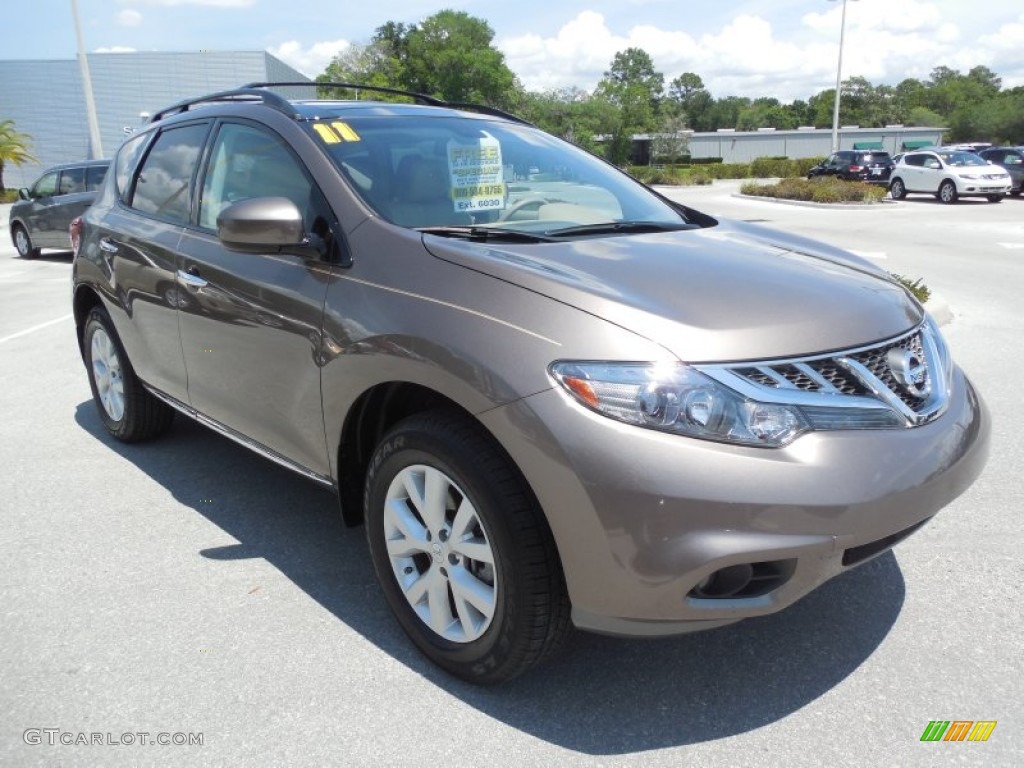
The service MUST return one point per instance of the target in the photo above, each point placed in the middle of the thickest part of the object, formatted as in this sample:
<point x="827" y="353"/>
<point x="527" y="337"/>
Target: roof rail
<point x="259" y="92"/>
<point x="420" y="98"/>
<point x="245" y="93"/>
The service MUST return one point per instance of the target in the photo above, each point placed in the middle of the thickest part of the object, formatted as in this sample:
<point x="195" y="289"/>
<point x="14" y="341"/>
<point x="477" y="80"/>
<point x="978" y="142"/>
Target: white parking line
<point x="35" y="328"/>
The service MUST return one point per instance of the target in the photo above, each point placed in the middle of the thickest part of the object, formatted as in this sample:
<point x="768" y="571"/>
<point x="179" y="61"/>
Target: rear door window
<point x="164" y="181"/>
<point x="72" y="180"/>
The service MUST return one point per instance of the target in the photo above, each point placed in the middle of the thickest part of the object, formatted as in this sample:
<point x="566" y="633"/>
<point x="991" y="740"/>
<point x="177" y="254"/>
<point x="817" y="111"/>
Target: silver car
<point x="553" y="397"/>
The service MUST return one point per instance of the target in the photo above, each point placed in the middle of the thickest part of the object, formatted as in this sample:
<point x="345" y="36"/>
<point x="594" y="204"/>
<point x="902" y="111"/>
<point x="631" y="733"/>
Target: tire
<point x="897" y="189"/>
<point x="947" y="192"/>
<point x="23" y="243"/>
<point x="127" y="410"/>
<point x="995" y="198"/>
<point x="504" y="559"/>
<point x="1016" y="192"/>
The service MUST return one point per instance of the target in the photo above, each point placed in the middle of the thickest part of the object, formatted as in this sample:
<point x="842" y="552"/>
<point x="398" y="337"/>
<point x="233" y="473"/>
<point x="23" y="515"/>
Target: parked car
<point x="555" y="400"/>
<point x="948" y="174"/>
<point x="43" y="213"/>
<point x="855" y="165"/>
<point x="1011" y="160"/>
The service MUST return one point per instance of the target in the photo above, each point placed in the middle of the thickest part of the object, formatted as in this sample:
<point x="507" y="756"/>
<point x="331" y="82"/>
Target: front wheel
<point x="23" y="243"/>
<point x="995" y="198"/>
<point x="947" y="192"/>
<point x="128" y="411"/>
<point x="897" y="189"/>
<point x="462" y="550"/>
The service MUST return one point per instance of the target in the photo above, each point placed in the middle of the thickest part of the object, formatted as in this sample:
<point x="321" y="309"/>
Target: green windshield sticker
<point x="477" y="180"/>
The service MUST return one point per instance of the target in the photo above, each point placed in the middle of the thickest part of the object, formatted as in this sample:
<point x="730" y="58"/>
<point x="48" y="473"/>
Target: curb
<point x="810" y="204"/>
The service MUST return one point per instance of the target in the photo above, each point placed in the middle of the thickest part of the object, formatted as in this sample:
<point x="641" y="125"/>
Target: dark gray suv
<point x="44" y="212"/>
<point x="553" y="397"/>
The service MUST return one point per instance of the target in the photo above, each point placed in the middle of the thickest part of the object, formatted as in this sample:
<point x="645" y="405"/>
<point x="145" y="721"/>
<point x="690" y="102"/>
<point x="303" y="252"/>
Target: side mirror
<point x="260" y="223"/>
<point x="23" y="194"/>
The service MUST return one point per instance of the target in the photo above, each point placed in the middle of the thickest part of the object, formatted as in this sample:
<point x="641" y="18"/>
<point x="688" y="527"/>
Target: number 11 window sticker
<point x="476" y="175"/>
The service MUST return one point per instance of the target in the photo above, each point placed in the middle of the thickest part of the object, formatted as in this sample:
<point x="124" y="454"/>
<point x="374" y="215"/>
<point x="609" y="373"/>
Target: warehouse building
<point x="744" y="146"/>
<point x="46" y="99"/>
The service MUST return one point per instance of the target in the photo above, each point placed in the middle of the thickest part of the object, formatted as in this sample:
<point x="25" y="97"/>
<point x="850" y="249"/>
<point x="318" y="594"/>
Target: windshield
<point x="961" y="158"/>
<point x="468" y="172"/>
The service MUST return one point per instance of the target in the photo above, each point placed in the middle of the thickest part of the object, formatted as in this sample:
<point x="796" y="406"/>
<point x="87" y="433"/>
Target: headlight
<point x="676" y="398"/>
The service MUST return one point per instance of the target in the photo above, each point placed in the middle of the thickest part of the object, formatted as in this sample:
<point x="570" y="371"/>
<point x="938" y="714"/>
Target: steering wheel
<point x="521" y="204"/>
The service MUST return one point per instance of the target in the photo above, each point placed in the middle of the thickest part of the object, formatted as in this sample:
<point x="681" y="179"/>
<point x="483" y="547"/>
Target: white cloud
<point x="114" y="49"/>
<point x="885" y="42"/>
<point x="310" y="61"/>
<point x="129" y="17"/>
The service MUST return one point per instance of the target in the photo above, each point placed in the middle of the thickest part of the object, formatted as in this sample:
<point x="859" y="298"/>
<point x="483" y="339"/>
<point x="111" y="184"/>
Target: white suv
<point x="948" y="174"/>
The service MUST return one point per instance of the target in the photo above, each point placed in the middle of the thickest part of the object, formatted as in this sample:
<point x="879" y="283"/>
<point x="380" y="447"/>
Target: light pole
<point x="839" y="82"/>
<point x="96" y="145"/>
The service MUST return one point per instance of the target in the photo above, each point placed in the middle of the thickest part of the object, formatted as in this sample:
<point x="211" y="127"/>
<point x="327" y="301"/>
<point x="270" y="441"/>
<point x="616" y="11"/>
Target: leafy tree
<point x="450" y="55"/>
<point x="14" y="148"/>
<point x="633" y="86"/>
<point x="688" y="97"/>
<point x="671" y="141"/>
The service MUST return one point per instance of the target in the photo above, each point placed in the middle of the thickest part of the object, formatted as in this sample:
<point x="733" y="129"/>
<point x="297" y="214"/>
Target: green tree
<point x="15" y="148"/>
<point x="450" y="55"/>
<point x="633" y="86"/>
<point x="688" y="97"/>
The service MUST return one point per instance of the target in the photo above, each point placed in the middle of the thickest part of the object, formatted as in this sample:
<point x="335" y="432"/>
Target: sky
<point x="787" y="49"/>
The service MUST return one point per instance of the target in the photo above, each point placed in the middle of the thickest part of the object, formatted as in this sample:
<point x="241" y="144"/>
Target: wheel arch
<point x="85" y="299"/>
<point x="369" y="418"/>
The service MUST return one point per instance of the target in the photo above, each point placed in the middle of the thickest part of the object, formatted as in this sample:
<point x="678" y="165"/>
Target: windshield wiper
<point x="619" y="227"/>
<point x="484" y="234"/>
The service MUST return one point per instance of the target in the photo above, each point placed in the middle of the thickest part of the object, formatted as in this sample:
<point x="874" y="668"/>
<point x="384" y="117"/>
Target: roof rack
<point x="245" y="93"/>
<point x="259" y="92"/>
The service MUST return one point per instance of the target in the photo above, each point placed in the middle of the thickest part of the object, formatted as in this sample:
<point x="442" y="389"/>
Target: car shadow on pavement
<point x="603" y="696"/>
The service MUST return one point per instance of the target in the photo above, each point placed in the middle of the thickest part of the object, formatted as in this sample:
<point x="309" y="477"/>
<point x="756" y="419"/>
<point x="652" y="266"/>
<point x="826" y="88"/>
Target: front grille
<point x="909" y="374"/>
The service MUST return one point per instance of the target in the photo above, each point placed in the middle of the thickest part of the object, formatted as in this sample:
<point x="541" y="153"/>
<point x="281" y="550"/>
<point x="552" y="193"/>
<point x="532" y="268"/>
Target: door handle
<point x="108" y="245"/>
<point x="191" y="278"/>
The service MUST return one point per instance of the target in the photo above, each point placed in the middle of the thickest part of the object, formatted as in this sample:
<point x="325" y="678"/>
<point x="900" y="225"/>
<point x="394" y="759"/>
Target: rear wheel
<point x="23" y="243"/>
<point x="127" y="410"/>
<point x="995" y="198"/>
<point x="897" y="189"/>
<point x="462" y="551"/>
<point x="947" y="192"/>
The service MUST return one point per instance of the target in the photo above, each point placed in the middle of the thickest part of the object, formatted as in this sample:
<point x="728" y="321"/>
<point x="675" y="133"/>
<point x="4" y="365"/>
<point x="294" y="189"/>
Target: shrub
<point x="921" y="291"/>
<point x="8" y="196"/>
<point x="818" y="190"/>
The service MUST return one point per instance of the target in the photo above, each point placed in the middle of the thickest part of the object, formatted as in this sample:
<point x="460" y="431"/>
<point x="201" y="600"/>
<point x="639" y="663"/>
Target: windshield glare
<point x="455" y="171"/>
<point x="961" y="158"/>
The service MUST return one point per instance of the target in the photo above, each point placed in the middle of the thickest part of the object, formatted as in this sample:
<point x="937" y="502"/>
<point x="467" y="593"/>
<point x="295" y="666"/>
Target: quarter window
<point x="125" y="163"/>
<point x="94" y="176"/>
<point x="162" y="187"/>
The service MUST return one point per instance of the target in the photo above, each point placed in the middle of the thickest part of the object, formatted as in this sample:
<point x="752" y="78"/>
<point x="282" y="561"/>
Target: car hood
<point x="731" y="292"/>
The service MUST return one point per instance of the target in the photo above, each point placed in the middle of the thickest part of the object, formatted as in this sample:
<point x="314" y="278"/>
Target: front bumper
<point x="641" y="518"/>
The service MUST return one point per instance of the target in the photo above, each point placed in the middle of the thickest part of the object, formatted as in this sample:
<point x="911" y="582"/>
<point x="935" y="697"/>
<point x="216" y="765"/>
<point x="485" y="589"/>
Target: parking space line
<point x="35" y="328"/>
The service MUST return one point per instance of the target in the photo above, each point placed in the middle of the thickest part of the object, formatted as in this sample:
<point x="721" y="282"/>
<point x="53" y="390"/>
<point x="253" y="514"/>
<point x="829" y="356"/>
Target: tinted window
<point x="248" y="162"/>
<point x="1013" y="158"/>
<point x="46" y="186"/>
<point x="125" y="163"/>
<point x="162" y="186"/>
<point x="94" y="175"/>
<point x="876" y="157"/>
<point x="71" y="180"/>
<point x="917" y="160"/>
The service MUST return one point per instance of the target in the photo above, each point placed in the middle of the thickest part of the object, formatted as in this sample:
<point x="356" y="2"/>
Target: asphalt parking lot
<point x="189" y="587"/>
